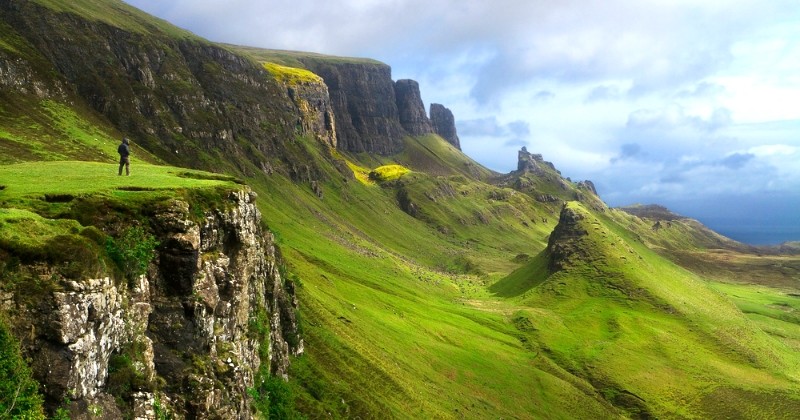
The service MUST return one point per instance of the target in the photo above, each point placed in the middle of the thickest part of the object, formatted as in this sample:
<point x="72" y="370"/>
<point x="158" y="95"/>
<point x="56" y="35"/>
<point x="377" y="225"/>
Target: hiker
<point x="124" y="153"/>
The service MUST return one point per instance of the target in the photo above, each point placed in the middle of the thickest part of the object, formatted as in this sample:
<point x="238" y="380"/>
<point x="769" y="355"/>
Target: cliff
<point x="411" y="109"/>
<point x="185" y="100"/>
<point x="364" y="103"/>
<point x="444" y="124"/>
<point x="208" y="314"/>
<point x="310" y="95"/>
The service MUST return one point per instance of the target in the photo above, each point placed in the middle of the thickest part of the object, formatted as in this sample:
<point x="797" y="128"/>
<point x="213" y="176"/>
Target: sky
<point x="690" y="104"/>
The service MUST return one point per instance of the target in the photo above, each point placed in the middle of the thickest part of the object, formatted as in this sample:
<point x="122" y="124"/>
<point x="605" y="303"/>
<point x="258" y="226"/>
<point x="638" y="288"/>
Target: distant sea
<point x="758" y="235"/>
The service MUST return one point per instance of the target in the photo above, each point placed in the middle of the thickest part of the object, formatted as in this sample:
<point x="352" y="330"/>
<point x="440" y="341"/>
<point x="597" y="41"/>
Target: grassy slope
<point x="381" y="309"/>
<point x="292" y="58"/>
<point x="652" y="336"/>
<point x="387" y="332"/>
<point x="36" y="179"/>
<point x="119" y="14"/>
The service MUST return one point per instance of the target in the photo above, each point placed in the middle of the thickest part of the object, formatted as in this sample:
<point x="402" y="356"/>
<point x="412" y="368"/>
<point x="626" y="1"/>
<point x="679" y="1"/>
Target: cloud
<point x="491" y="127"/>
<point x="703" y="89"/>
<point x="628" y="151"/>
<point x="605" y="93"/>
<point x="675" y="116"/>
<point x="544" y="95"/>
<point x="737" y="160"/>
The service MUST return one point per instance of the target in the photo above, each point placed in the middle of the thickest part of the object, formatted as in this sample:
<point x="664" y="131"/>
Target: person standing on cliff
<point x="124" y="151"/>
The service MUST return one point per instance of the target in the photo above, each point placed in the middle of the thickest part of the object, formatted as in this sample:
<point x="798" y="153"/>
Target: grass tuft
<point x="388" y="173"/>
<point x="291" y="75"/>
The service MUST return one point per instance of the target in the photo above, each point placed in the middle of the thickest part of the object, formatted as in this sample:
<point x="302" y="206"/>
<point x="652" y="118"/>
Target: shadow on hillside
<point x="525" y="278"/>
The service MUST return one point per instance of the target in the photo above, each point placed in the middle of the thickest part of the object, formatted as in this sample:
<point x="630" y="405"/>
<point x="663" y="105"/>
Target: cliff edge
<point x="168" y="301"/>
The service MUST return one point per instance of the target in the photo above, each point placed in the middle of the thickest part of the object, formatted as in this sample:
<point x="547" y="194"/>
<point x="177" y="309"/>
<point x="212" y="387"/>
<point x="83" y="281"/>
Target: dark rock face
<point x="316" y="116"/>
<point x="410" y="108"/>
<point x="444" y="124"/>
<point x="364" y="104"/>
<point x="183" y="99"/>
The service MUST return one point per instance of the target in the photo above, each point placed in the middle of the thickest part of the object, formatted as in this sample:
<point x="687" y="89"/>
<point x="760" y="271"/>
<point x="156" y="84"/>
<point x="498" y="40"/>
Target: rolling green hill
<point x="428" y="285"/>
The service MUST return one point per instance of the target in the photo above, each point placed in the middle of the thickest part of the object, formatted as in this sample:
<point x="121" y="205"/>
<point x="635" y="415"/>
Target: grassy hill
<point x="651" y="336"/>
<point x="428" y="290"/>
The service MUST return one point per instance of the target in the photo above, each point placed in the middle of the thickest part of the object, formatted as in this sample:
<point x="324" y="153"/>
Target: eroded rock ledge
<point x="187" y="331"/>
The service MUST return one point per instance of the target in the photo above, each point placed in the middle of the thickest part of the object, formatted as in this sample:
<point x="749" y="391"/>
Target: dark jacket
<point x="123" y="150"/>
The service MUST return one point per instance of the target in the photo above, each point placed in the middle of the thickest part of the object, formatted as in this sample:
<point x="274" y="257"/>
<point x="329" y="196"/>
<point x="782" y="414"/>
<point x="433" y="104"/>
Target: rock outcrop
<point x="588" y="186"/>
<point x="316" y="116"/>
<point x="363" y="99"/>
<point x="564" y="242"/>
<point x="444" y="124"/>
<point x="533" y="163"/>
<point x="410" y="108"/>
<point x="184" y="336"/>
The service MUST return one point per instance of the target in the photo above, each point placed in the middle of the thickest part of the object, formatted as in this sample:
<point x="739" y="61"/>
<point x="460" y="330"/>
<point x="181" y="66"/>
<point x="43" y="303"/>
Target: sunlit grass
<point x="75" y="178"/>
<point x="291" y="75"/>
<point x="388" y="173"/>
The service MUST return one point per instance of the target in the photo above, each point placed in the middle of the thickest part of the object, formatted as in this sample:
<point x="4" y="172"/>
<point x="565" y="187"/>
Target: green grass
<point x="61" y="179"/>
<point x="119" y="14"/>
<point x="291" y="75"/>
<point x="433" y="155"/>
<point x="56" y="212"/>
<point x="775" y="311"/>
<point x="634" y="323"/>
<point x="295" y="58"/>
<point x="387" y="173"/>
<point x="37" y="130"/>
<point x="387" y="304"/>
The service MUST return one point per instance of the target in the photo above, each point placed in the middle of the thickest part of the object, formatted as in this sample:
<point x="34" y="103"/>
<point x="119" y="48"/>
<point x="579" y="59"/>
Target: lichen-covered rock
<point x="80" y="327"/>
<point x="565" y="241"/>
<point x="207" y="299"/>
<point x="189" y="323"/>
<point x="316" y="113"/>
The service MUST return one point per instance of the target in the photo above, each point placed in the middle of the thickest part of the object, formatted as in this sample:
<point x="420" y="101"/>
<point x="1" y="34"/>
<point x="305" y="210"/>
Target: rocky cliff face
<point x="411" y="109"/>
<point x="372" y="112"/>
<point x="184" y="337"/>
<point x="315" y="111"/>
<point x="363" y="99"/>
<point x="444" y="124"/>
<point x="184" y="99"/>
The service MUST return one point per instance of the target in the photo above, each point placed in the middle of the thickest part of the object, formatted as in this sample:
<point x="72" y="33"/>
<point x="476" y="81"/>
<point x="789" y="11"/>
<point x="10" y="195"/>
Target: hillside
<point x="427" y="285"/>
